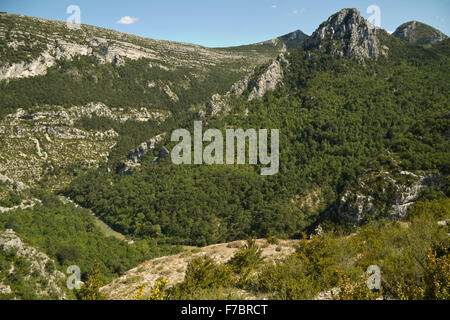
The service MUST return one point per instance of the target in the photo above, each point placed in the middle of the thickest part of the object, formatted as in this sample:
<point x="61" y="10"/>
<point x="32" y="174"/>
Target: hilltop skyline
<point x="230" y="23"/>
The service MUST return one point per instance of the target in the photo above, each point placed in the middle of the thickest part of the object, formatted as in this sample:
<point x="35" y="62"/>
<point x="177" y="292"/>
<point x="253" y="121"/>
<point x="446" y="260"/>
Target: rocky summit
<point x="419" y="33"/>
<point x="348" y="34"/>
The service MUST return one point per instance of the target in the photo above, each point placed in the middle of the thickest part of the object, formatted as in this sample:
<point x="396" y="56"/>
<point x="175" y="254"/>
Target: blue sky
<point x="218" y="23"/>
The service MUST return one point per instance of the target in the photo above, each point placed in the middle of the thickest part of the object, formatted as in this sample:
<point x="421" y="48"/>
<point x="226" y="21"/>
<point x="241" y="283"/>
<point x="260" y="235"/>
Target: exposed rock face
<point x="170" y="93"/>
<point x="328" y="295"/>
<point x="348" y="34"/>
<point x="118" y="114"/>
<point x="132" y="162"/>
<point x="352" y="207"/>
<point x="408" y="194"/>
<point x="5" y="289"/>
<point x="60" y="115"/>
<point x="269" y="80"/>
<point x="238" y="88"/>
<point x="38" y="261"/>
<point x="294" y="39"/>
<point x="45" y="141"/>
<point x="137" y="154"/>
<point x="18" y="185"/>
<point x="26" y="204"/>
<point x="263" y="83"/>
<point x="67" y="133"/>
<point x="379" y="193"/>
<point x="50" y="42"/>
<point x="419" y="33"/>
<point x="217" y="104"/>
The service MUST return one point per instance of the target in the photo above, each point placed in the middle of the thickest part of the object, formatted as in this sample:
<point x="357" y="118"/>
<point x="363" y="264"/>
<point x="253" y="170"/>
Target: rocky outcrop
<point x="17" y="185"/>
<point x="407" y="195"/>
<point x="67" y="133"/>
<point x="43" y="43"/>
<point x="217" y="104"/>
<point x="137" y="154"/>
<point x="354" y="206"/>
<point x="118" y="114"/>
<point x="381" y="193"/>
<point x="5" y="289"/>
<point x="170" y="93"/>
<point x="238" y="88"/>
<point x="132" y="162"/>
<point x="38" y="262"/>
<point x="45" y="141"/>
<point x="419" y="33"/>
<point x="220" y="103"/>
<point x="60" y="115"/>
<point x="103" y="50"/>
<point x="257" y="85"/>
<point x="268" y="80"/>
<point x="348" y="34"/>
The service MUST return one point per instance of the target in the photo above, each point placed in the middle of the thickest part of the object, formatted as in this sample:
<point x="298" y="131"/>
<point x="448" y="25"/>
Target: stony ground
<point x="173" y="267"/>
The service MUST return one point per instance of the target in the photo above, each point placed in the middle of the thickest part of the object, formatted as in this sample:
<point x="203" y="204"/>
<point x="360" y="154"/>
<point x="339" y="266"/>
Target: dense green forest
<point x="68" y="235"/>
<point x="337" y="118"/>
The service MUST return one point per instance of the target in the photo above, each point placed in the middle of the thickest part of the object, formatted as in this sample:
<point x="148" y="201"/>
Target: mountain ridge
<point x="416" y="32"/>
<point x="360" y="142"/>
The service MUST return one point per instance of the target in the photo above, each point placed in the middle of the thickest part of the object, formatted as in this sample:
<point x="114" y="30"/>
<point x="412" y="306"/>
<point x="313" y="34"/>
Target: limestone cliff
<point x="348" y="34"/>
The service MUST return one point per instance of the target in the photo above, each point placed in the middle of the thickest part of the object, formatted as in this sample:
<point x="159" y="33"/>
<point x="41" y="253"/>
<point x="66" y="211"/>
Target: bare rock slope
<point x="419" y="33"/>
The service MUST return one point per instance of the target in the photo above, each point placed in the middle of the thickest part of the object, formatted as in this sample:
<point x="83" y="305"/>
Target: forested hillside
<point x="364" y="141"/>
<point x="337" y="118"/>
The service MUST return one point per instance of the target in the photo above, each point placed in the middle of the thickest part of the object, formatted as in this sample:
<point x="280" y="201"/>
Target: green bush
<point x="202" y="274"/>
<point x="245" y="262"/>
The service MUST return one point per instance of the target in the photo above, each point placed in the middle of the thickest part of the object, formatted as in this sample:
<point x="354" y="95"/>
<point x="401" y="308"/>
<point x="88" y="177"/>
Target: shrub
<point x="90" y="290"/>
<point x="245" y="262"/>
<point x="433" y="284"/>
<point x="202" y="274"/>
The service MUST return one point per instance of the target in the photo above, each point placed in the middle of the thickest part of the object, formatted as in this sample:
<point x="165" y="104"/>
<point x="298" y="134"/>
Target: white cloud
<point x="127" y="20"/>
<point x="274" y="6"/>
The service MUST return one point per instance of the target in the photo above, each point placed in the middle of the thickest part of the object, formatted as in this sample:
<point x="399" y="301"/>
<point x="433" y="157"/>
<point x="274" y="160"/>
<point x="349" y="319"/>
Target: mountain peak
<point x="288" y="41"/>
<point x="347" y="33"/>
<point x="419" y="33"/>
<point x="294" y="39"/>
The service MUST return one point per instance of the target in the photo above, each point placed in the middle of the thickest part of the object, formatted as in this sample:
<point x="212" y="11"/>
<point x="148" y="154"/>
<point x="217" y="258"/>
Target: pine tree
<point x="90" y="290"/>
